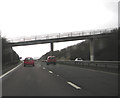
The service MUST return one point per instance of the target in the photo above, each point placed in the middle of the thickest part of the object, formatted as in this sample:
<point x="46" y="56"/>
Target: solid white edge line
<point x="75" y="86"/>
<point x="9" y="71"/>
<point x="50" y="72"/>
<point x="99" y="71"/>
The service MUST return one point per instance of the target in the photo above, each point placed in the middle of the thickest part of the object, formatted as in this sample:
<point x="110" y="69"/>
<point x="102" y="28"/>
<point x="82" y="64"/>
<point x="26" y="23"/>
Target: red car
<point x="51" y="59"/>
<point x="28" y="61"/>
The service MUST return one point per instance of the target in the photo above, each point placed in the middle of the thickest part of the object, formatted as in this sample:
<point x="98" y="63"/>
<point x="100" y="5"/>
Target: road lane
<point x="36" y="81"/>
<point x="96" y="83"/>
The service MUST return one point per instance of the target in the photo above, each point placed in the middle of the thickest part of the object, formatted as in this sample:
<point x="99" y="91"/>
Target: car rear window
<point x="51" y="58"/>
<point x="29" y="59"/>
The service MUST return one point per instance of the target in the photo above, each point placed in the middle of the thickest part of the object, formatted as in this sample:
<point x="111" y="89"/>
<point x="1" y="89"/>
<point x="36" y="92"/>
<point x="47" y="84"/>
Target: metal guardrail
<point x="102" y="64"/>
<point x="59" y="35"/>
<point x="98" y="64"/>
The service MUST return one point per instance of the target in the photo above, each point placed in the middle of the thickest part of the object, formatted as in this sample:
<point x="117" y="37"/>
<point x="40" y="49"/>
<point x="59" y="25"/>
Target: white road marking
<point x="57" y="75"/>
<point x="43" y="67"/>
<point x="9" y="71"/>
<point x="99" y="71"/>
<point x="75" y="86"/>
<point x="109" y="73"/>
<point x="50" y="72"/>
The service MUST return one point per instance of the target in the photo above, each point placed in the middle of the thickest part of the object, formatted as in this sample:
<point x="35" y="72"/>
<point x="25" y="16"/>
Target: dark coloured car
<point x="29" y="61"/>
<point x="78" y="59"/>
<point x="51" y="60"/>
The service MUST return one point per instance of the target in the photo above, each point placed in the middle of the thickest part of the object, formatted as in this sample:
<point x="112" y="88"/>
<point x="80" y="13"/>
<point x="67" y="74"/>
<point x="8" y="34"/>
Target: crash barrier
<point x="99" y="64"/>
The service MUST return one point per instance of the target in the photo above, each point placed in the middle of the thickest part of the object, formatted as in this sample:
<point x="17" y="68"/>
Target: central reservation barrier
<point x="98" y="65"/>
<point x="102" y="65"/>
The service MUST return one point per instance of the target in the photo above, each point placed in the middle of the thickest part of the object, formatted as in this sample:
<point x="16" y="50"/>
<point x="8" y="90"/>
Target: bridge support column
<point x="52" y="46"/>
<point x="91" y="49"/>
<point x="0" y="65"/>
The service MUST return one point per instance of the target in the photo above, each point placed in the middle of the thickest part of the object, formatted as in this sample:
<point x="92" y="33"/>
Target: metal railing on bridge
<point x="59" y="35"/>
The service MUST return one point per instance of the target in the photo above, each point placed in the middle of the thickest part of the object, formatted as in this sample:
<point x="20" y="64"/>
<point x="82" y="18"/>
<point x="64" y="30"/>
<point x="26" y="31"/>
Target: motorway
<point x="58" y="80"/>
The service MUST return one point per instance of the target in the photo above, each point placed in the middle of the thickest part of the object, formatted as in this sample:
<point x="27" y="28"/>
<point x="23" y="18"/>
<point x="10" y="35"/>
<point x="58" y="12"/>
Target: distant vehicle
<point x="29" y="61"/>
<point x="51" y="60"/>
<point x="78" y="59"/>
<point x="20" y="57"/>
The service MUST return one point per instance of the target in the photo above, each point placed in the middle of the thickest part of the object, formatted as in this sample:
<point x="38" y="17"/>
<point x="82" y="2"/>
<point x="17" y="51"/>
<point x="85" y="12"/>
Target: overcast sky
<point x="37" y="17"/>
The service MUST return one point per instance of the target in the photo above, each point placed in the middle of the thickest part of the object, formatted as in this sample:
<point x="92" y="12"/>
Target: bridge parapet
<point x="59" y="35"/>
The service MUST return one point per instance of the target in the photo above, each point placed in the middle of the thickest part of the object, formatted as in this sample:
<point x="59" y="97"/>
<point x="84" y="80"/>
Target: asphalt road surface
<point x="58" y="80"/>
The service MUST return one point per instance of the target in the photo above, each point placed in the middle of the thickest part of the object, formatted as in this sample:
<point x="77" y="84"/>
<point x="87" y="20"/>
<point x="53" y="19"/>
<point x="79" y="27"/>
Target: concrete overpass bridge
<point x="62" y="37"/>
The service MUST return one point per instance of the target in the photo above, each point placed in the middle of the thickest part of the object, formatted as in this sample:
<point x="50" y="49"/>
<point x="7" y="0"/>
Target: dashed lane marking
<point x="73" y="85"/>
<point x="43" y="67"/>
<point x="50" y="72"/>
